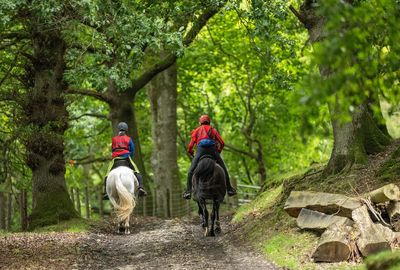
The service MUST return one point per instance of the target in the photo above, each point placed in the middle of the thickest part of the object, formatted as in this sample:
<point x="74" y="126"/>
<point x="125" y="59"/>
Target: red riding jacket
<point x="205" y="132"/>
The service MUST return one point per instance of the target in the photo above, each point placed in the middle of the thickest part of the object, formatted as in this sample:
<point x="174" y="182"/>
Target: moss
<point x="390" y="169"/>
<point x="73" y="225"/>
<point x="51" y="208"/>
<point x="259" y="205"/>
<point x="386" y="260"/>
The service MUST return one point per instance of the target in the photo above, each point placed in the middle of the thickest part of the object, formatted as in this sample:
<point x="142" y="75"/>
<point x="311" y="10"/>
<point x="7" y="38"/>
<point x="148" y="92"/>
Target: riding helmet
<point x="122" y="126"/>
<point x="204" y="119"/>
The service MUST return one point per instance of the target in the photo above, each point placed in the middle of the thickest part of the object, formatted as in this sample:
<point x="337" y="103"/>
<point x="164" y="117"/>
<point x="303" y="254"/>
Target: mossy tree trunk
<point x="162" y="93"/>
<point x="46" y="118"/>
<point x="355" y="139"/>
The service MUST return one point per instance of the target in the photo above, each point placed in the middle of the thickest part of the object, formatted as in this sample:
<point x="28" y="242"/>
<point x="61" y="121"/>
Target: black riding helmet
<point x="122" y="126"/>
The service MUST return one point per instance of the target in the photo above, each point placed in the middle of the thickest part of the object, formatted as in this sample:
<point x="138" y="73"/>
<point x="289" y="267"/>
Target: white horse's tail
<point x="126" y="201"/>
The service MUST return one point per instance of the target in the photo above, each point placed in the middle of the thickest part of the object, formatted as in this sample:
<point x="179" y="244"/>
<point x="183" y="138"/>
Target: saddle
<point x="122" y="162"/>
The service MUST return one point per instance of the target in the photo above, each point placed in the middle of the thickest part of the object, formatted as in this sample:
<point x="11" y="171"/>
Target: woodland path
<point x="153" y="244"/>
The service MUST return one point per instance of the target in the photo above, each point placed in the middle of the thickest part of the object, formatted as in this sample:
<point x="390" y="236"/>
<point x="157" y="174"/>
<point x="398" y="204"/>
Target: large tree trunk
<point x="122" y="110"/>
<point x="2" y="211"/>
<point x="162" y="94"/>
<point x="46" y="118"/>
<point x="355" y="139"/>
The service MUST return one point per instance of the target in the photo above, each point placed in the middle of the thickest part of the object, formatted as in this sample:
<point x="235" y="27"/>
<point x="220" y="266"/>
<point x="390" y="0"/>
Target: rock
<point x="386" y="193"/>
<point x="327" y="203"/>
<point x="313" y="220"/>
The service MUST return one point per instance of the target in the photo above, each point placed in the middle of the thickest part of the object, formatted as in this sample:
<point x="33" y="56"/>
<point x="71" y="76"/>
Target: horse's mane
<point x="205" y="169"/>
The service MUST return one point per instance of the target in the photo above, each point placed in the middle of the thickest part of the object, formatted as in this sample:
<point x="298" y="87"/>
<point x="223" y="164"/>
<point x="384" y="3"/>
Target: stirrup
<point x="231" y="191"/>
<point x="105" y="197"/>
<point x="187" y="195"/>
<point x="142" y="192"/>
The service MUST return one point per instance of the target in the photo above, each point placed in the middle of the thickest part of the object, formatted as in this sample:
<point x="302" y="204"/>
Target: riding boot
<point x="188" y="193"/>
<point x="142" y="192"/>
<point x="105" y="195"/>
<point x="229" y="189"/>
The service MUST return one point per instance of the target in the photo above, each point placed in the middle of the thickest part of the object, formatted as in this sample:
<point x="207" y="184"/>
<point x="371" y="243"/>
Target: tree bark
<point x="47" y="119"/>
<point x="2" y="211"/>
<point x="371" y="239"/>
<point x="334" y="244"/>
<point x="23" y="204"/>
<point x="162" y="91"/>
<point x="355" y="139"/>
<point x="9" y="211"/>
<point x="78" y="202"/>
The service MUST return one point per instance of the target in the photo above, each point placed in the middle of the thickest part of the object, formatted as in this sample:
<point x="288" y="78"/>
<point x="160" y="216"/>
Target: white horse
<point x="121" y="187"/>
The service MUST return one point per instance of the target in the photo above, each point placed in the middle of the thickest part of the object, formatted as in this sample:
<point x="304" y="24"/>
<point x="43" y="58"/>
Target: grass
<point x="265" y="224"/>
<point x="73" y="225"/>
<point x="261" y="203"/>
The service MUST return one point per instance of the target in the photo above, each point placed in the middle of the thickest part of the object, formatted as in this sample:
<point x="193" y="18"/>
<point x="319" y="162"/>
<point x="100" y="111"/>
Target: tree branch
<point x="91" y="93"/>
<point x="170" y="59"/>
<point x="91" y="160"/>
<point x="90" y="115"/>
<point x="298" y="15"/>
<point x="239" y="151"/>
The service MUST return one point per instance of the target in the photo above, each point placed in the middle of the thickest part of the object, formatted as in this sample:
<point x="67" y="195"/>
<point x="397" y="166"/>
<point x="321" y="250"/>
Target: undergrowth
<point x="266" y="225"/>
<point x="73" y="225"/>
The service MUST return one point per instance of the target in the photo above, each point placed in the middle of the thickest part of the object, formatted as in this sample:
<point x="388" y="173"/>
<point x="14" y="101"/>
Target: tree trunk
<point x="47" y="119"/>
<point x="353" y="140"/>
<point x="23" y="208"/>
<point x="100" y="200"/>
<point x="78" y="202"/>
<point x="371" y="239"/>
<point x="162" y="95"/>
<point x="86" y="172"/>
<point x="3" y="207"/>
<point x="9" y="211"/>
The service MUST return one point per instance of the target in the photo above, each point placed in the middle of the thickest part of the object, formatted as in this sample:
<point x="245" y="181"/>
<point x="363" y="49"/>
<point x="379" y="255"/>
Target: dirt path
<point x="153" y="244"/>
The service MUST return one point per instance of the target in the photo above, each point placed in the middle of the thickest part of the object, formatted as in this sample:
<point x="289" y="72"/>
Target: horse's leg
<point x="217" y="224"/>
<point x="120" y="228"/>
<point x="127" y="229"/>
<point x="213" y="215"/>
<point x="200" y="212"/>
<point x="205" y="216"/>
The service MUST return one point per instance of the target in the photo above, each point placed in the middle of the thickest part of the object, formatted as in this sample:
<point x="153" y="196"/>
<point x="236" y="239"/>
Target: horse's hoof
<point x="212" y="233"/>
<point x="218" y="230"/>
<point x="128" y="232"/>
<point x="206" y="231"/>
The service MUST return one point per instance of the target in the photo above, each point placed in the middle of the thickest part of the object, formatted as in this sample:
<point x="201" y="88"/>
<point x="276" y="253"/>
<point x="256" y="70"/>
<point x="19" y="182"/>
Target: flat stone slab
<point x="328" y="203"/>
<point x="317" y="221"/>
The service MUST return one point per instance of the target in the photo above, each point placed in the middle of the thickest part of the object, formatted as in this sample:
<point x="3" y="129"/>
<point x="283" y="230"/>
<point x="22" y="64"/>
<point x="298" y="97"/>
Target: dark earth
<point x="153" y="244"/>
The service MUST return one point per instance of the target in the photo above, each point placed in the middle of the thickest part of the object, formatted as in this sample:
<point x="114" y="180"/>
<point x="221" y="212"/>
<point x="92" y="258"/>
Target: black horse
<point x="209" y="184"/>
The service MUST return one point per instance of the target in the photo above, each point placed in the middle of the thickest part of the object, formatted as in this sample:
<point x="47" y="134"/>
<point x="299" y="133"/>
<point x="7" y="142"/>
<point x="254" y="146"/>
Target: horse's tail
<point x="126" y="202"/>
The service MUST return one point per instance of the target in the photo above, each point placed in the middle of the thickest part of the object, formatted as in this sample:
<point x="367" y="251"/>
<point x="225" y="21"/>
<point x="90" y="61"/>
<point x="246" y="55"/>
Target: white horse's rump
<point x="121" y="186"/>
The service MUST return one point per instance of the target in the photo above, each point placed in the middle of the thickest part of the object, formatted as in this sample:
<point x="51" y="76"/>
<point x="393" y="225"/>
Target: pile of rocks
<point x="349" y="226"/>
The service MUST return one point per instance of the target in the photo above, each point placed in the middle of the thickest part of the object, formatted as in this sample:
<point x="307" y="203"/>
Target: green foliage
<point x="386" y="260"/>
<point x="360" y="50"/>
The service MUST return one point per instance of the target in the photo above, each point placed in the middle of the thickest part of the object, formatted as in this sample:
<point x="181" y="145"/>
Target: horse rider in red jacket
<point x="209" y="142"/>
<point x="123" y="150"/>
